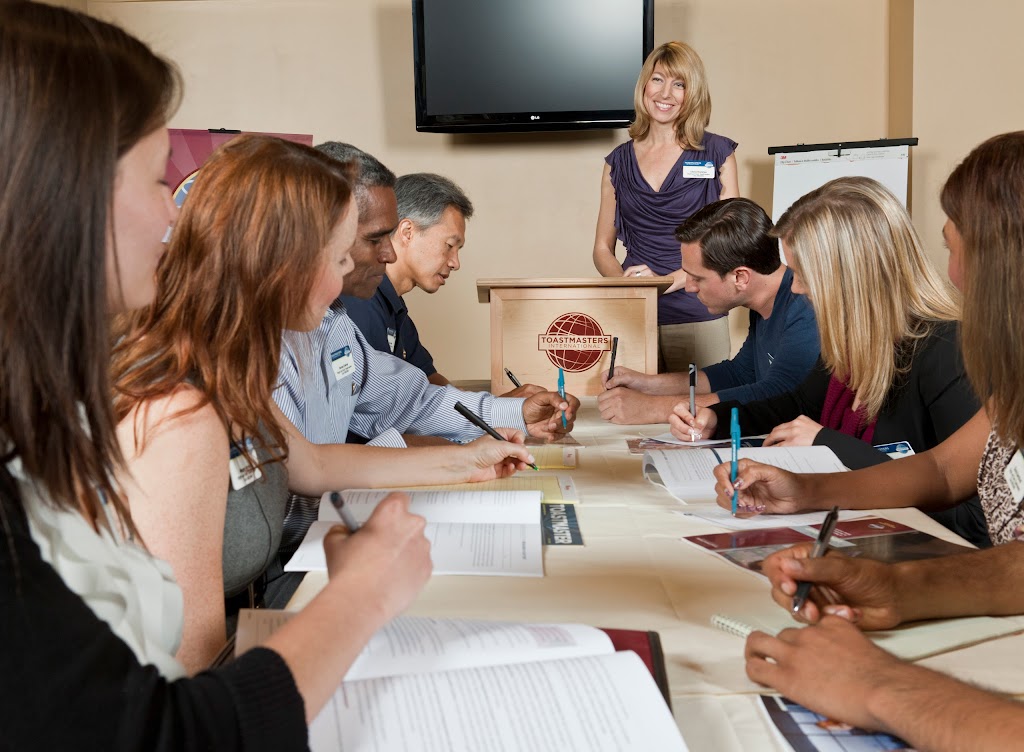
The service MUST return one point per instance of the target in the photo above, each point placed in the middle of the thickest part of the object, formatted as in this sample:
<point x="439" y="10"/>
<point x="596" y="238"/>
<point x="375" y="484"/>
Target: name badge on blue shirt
<point x="392" y="338"/>
<point x="342" y="362"/>
<point x="698" y="169"/>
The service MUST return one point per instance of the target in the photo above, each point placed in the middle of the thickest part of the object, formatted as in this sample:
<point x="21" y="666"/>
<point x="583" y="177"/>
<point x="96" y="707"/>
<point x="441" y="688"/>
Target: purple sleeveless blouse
<point x="645" y="219"/>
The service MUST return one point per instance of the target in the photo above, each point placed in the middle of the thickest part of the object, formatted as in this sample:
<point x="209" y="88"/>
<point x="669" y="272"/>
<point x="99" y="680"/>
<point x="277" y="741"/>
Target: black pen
<point x="803" y="589"/>
<point x="343" y="511"/>
<point x="477" y="421"/>
<point x="615" y="349"/>
<point x="512" y="378"/>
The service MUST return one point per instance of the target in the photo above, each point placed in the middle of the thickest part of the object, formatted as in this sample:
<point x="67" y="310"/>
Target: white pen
<point x="343" y="512"/>
<point x="693" y="397"/>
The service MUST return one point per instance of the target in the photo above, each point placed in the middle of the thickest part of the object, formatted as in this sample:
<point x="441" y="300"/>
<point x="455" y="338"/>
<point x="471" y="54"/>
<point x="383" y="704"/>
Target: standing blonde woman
<point x="890" y="368"/>
<point x="671" y="167"/>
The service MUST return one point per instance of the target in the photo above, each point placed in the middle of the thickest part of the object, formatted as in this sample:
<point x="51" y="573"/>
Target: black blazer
<point x="925" y="406"/>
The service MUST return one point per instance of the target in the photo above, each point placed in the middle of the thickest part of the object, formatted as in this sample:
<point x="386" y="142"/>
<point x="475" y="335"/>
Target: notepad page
<point x="437" y="505"/>
<point x="554" y="487"/>
<point x="606" y="703"/>
<point x="455" y="548"/>
<point x="911" y="642"/>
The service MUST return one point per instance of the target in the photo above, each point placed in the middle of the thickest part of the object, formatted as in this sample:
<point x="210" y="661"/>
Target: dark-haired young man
<point x="731" y="260"/>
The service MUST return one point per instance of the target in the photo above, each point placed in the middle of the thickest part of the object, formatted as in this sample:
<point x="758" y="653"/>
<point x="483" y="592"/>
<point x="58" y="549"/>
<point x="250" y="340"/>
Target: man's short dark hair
<point x="370" y="172"/>
<point x="732" y="233"/>
<point x="424" y="196"/>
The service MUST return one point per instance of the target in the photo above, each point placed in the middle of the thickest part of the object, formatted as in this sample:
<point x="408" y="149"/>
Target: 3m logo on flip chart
<point x="574" y="341"/>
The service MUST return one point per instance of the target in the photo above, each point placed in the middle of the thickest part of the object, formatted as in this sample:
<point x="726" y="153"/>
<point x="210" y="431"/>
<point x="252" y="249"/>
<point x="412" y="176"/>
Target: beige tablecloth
<point x="635" y="572"/>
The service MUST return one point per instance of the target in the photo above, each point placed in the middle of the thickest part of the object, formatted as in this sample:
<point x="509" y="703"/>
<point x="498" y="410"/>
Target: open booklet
<point x="689" y="475"/>
<point x="455" y="684"/>
<point x="479" y="532"/>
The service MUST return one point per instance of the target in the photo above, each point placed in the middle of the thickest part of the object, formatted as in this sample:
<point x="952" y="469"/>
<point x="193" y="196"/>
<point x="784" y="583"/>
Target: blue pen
<point x="734" y="433"/>
<point x="561" y="392"/>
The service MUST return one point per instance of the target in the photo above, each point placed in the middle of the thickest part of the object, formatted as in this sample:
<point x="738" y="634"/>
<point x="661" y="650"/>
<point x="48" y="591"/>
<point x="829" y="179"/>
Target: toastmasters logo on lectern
<point x="574" y="341"/>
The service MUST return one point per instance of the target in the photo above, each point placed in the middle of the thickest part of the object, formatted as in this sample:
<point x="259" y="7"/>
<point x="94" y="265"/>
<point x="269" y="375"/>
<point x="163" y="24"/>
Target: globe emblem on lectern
<point x="584" y="339"/>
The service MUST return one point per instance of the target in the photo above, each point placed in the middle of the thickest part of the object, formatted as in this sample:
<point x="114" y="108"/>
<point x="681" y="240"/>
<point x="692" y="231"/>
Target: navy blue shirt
<point x="777" y="355"/>
<point x="384" y="321"/>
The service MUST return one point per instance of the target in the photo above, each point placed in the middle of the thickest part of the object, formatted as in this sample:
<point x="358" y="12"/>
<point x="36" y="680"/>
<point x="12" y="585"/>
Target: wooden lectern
<point x="538" y="325"/>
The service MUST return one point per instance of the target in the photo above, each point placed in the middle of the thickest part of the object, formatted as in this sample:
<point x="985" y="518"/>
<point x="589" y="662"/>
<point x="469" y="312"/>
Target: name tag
<point x="242" y="466"/>
<point x="896" y="449"/>
<point x="1014" y="474"/>
<point x="342" y="363"/>
<point x="698" y="169"/>
<point x="392" y="338"/>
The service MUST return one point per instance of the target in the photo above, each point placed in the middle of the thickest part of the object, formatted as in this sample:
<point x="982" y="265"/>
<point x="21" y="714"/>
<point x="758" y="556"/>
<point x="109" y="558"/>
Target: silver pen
<point x="343" y="511"/>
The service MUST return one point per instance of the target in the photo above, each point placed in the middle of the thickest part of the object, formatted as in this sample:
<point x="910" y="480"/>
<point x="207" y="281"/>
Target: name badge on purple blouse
<point x="698" y="169"/>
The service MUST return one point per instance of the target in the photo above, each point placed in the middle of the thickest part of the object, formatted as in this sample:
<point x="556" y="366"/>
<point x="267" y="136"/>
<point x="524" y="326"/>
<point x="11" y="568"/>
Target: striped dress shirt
<point x="382" y="398"/>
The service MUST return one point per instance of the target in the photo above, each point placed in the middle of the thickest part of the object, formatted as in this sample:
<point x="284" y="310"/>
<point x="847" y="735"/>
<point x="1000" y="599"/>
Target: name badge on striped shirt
<point x="392" y="338"/>
<point x="342" y="362"/>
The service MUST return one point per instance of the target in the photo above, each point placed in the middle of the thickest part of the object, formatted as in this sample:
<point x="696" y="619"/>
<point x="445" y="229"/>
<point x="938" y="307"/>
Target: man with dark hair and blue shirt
<point x="432" y="214"/>
<point x="730" y="260"/>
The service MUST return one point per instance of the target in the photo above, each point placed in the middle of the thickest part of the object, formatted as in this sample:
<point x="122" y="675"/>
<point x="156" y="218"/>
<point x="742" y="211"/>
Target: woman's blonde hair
<point x="874" y="293"/>
<point x="984" y="198"/>
<point x="680" y="61"/>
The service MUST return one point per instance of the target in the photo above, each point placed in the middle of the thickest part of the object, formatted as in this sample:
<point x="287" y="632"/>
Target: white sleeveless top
<point x="125" y="586"/>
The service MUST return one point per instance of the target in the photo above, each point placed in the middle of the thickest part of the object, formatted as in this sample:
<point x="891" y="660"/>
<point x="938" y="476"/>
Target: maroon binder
<point x="647" y="645"/>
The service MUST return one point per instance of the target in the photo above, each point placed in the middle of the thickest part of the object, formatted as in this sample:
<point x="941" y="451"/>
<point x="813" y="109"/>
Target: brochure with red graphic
<point x="869" y="537"/>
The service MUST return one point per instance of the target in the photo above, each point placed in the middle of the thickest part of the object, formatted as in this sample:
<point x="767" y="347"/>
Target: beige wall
<point x="968" y="65"/>
<point x="783" y="72"/>
<point x="81" y="5"/>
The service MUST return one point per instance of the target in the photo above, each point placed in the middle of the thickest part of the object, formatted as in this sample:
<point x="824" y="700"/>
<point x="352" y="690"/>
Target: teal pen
<point x="561" y="392"/>
<point x="734" y="433"/>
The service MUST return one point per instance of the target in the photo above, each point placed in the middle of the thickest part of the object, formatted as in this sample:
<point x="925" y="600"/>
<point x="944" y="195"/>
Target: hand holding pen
<point x="688" y="427"/>
<point x="803" y="589"/>
<point x="480" y="423"/>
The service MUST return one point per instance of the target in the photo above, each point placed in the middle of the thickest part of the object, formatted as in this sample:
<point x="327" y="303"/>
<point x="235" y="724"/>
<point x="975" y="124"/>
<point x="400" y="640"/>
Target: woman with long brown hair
<point x="91" y="619"/>
<point x="261" y="246"/>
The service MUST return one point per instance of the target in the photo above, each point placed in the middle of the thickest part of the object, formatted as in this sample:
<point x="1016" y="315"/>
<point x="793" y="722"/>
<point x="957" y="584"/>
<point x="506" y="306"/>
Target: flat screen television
<point x="522" y="65"/>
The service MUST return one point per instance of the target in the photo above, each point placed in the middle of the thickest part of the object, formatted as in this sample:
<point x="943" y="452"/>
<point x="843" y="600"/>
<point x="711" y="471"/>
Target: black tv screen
<point x="514" y="65"/>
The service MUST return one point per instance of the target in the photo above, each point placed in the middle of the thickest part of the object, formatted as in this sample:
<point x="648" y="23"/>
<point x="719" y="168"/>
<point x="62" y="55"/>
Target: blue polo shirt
<point x="778" y="353"/>
<point x="385" y="323"/>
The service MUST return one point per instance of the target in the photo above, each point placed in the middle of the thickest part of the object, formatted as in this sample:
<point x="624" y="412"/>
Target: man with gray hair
<point x="431" y="230"/>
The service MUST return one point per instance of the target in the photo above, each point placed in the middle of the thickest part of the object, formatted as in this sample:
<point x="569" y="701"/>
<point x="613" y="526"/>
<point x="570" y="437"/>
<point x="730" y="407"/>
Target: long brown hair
<point x="247" y="248"/>
<point x="874" y="292"/>
<point x="680" y="61"/>
<point x="75" y="95"/>
<point x="984" y="198"/>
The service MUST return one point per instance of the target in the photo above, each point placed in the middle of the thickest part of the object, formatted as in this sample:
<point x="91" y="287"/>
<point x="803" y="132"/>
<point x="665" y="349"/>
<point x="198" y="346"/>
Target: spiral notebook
<point x="911" y="642"/>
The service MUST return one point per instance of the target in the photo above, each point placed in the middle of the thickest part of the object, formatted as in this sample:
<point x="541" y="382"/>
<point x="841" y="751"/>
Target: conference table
<point x="634" y="571"/>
